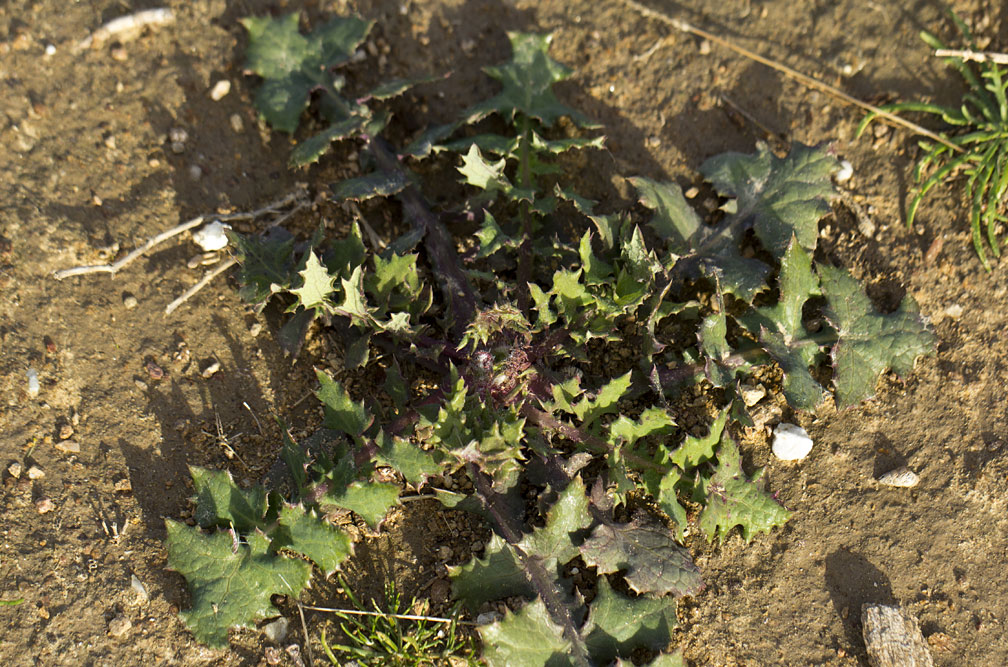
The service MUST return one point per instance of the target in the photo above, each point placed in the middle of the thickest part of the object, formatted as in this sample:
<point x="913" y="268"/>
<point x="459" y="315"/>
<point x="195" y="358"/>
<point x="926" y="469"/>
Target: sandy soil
<point x="86" y="167"/>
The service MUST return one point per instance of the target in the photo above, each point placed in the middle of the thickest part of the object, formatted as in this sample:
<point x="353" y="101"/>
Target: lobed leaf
<point x="303" y="531"/>
<point x="528" y="637"/>
<point x="221" y="502"/>
<point x="230" y="583"/>
<point x="618" y="625"/>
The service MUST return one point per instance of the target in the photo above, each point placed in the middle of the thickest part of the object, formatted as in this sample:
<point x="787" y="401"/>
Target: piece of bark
<point x="893" y="638"/>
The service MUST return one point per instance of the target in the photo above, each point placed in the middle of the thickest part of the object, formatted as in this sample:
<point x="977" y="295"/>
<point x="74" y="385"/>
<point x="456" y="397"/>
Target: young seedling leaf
<point x="341" y="412"/>
<point x="304" y="532"/>
<point x="528" y="637"/>
<point x="316" y="285"/>
<point x="777" y="197"/>
<point x="220" y="502"/>
<point x="293" y="64"/>
<point x="618" y="625"/>
<point x="869" y="342"/>
<point x="230" y="583"/>
<point x="527" y="84"/>
<point x="732" y="499"/>
<point x="651" y="560"/>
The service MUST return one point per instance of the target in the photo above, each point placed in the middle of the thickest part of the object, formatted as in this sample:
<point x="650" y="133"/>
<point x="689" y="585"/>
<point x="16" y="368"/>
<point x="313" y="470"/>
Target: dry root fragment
<point x="127" y="27"/>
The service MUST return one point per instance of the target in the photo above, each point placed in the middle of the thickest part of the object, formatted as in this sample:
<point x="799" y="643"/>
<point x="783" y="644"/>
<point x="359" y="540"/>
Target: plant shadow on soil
<point x="852" y="581"/>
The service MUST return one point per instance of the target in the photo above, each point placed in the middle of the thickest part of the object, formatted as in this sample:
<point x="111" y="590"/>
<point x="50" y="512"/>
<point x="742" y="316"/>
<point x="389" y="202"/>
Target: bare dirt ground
<point x="86" y="165"/>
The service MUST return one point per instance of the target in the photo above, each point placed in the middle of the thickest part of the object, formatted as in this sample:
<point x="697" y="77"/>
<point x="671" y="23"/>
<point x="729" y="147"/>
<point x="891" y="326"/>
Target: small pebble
<point x="178" y="134"/>
<point x="155" y="371"/>
<point x="752" y="394"/>
<point x="901" y="476"/>
<point x="195" y="172"/>
<point x="35" y="472"/>
<point x="276" y="631"/>
<point x="691" y="193"/>
<point x="220" y="89"/>
<point x="119" y="54"/>
<point x="33" y="383"/>
<point x="211" y="369"/>
<point x="130" y="302"/>
<point x="211" y="236"/>
<point x="444" y="553"/>
<point x="255" y="329"/>
<point x="237" y="124"/>
<point x="177" y="147"/>
<point x="845" y="172"/>
<point x="123" y="485"/>
<point x="488" y="617"/>
<point x="141" y="385"/>
<point x="44" y="505"/>
<point x="50" y="50"/>
<point x="705" y="47"/>
<point x="119" y="626"/>
<point x="68" y="446"/>
<point x="140" y="589"/>
<point x="791" y="442"/>
<point x="15" y="469"/>
<point x="954" y="311"/>
<point x="66" y="430"/>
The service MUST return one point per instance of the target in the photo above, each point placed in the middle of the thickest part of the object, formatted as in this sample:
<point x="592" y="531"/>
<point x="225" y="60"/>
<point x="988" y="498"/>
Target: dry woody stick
<point x="975" y="56"/>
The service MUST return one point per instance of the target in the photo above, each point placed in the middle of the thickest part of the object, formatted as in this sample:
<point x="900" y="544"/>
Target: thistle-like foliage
<point x="521" y="399"/>
<point x="978" y="127"/>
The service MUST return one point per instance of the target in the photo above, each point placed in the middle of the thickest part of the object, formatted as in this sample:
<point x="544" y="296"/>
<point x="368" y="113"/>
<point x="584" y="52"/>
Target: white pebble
<point x="237" y="124"/>
<point x="954" y="311"/>
<point x="845" y="172"/>
<point x="50" y="50"/>
<point x="791" y="443"/>
<point x="901" y="476"/>
<point x="752" y="394"/>
<point x="220" y="89"/>
<point x="277" y="630"/>
<point x="33" y="383"/>
<point x="140" y="590"/>
<point x="211" y="236"/>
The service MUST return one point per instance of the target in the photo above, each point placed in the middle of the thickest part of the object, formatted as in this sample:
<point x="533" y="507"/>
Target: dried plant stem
<point x="403" y="617"/>
<point x="975" y="56"/>
<point x="307" y="639"/>
<point x="119" y="264"/>
<point x="792" y="73"/>
<point x="204" y="281"/>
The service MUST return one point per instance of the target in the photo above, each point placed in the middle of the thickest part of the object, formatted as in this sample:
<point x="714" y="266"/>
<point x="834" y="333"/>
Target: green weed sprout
<point x="389" y="638"/>
<point x="979" y="128"/>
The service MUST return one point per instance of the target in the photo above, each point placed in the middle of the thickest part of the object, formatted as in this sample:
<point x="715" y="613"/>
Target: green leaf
<point x="618" y="625"/>
<point x="527" y="638"/>
<point x="264" y="261"/>
<point x="341" y="412"/>
<point x="407" y="458"/>
<point x="316" y="284"/>
<point x="645" y="549"/>
<point x="220" y="502"/>
<point x="293" y="64"/>
<point x="588" y="409"/>
<point x="711" y="251"/>
<point x="230" y="583"/>
<point x="396" y="87"/>
<point x="653" y="420"/>
<point x="354" y="304"/>
<point x="369" y="500"/>
<point x="375" y="184"/>
<point x="714" y="345"/>
<point x="488" y="176"/>
<point x="497" y="575"/>
<point x="310" y="150"/>
<point x="492" y="238"/>
<point x="527" y="84"/>
<point x="869" y="342"/>
<point x="777" y="197"/>
<point x="732" y="499"/>
<point x="695" y="451"/>
<point x="567" y="516"/>
<point x="304" y="532"/>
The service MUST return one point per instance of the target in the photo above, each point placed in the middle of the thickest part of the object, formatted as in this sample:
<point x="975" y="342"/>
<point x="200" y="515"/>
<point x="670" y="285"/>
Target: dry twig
<point x="788" y="71"/>
<point x="975" y="56"/>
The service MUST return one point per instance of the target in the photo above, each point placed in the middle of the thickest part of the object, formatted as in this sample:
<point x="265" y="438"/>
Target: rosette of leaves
<point x="369" y="293"/>
<point x="974" y="144"/>
<point x="294" y="66"/>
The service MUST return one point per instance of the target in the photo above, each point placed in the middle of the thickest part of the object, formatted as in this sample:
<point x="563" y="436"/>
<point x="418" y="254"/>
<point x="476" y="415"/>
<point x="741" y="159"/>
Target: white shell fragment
<point x="845" y="172"/>
<point x="901" y="476"/>
<point x="211" y="236"/>
<point x="33" y="383"/>
<point x="791" y="442"/>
